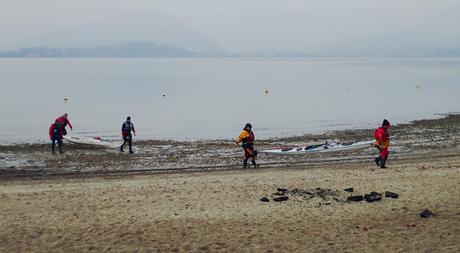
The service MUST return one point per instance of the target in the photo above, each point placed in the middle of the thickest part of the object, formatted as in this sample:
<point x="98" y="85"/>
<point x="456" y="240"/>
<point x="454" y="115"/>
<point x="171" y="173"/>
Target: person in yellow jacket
<point x="247" y="138"/>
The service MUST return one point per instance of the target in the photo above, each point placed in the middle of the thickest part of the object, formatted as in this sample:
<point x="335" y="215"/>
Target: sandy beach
<point x="192" y="197"/>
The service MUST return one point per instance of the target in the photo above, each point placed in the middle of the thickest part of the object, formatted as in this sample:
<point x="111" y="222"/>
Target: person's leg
<point x="122" y="145"/>
<point x="246" y="158"/>
<point x="53" y="143"/>
<point x="130" y="142"/>
<point x="378" y="159"/>
<point x="59" y="141"/>
<point x="253" y="160"/>
<point x="250" y="155"/>
<point x="383" y="157"/>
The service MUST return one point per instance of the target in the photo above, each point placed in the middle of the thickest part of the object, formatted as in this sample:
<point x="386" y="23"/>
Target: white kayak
<point x="320" y="148"/>
<point x="95" y="141"/>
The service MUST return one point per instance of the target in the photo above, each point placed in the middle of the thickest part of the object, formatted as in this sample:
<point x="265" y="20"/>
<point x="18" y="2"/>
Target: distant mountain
<point x="144" y="49"/>
<point x="121" y="50"/>
<point x="112" y="28"/>
<point x="351" y="51"/>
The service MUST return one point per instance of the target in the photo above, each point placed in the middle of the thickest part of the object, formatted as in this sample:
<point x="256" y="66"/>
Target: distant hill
<point x="121" y="50"/>
<point x="144" y="49"/>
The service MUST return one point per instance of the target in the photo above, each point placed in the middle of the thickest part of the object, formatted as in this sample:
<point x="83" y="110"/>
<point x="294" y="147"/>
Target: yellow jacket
<point x="245" y="137"/>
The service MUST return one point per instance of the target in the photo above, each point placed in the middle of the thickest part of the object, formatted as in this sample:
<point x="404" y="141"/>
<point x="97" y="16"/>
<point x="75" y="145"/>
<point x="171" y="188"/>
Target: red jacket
<point x="381" y="137"/>
<point x="64" y="121"/>
<point x="51" y="131"/>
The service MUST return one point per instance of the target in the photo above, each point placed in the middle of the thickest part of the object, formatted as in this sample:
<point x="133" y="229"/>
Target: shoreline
<point x="36" y="160"/>
<point x="435" y="117"/>
<point x="344" y="127"/>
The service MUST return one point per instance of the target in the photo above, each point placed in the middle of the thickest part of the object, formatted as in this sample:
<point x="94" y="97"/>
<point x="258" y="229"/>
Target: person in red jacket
<point x="56" y="135"/>
<point x="64" y="121"/>
<point x="382" y="142"/>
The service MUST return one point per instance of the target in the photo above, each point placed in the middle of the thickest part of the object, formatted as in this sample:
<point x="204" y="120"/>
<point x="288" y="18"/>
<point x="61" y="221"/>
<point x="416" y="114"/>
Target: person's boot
<point x="245" y="163"/>
<point x="382" y="164"/>
<point x="131" y="152"/>
<point x="377" y="161"/>
<point x="254" y="164"/>
<point x="121" y="149"/>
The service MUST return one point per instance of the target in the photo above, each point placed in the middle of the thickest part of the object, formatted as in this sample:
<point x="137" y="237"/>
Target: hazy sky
<point x="236" y="25"/>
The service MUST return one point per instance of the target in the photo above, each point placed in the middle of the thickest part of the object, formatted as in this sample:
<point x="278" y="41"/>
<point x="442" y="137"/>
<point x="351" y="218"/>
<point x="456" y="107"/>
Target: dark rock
<point x="373" y="196"/>
<point x="349" y="189"/>
<point x="281" y="191"/>
<point x="355" y="198"/>
<point x="281" y="199"/>
<point x="264" y="199"/>
<point x="391" y="195"/>
<point x="426" y="214"/>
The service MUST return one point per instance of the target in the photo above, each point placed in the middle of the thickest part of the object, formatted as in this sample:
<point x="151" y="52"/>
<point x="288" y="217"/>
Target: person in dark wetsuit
<point x="56" y="135"/>
<point x="247" y="138"/>
<point x="126" y="130"/>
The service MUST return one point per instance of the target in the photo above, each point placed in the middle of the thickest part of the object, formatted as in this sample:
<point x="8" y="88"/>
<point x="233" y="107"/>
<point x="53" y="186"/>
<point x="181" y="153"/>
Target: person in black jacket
<point x="126" y="130"/>
<point x="56" y="135"/>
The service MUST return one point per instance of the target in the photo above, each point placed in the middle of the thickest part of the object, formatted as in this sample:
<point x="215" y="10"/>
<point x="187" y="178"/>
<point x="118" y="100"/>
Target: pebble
<point x="372" y="197"/>
<point x="264" y="199"/>
<point x="426" y="214"/>
<point x="281" y="199"/>
<point x="391" y="195"/>
<point x="355" y="198"/>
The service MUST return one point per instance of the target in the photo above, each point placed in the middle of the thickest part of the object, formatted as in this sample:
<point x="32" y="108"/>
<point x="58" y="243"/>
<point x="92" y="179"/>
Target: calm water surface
<point x="213" y="97"/>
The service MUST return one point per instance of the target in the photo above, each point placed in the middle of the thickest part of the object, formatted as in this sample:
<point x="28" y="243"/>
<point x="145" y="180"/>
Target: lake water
<point x="210" y="98"/>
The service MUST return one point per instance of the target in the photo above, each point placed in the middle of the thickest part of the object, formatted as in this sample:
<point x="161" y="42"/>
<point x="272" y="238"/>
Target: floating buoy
<point x="66" y="100"/>
<point x="418" y="87"/>
<point x="266" y="92"/>
<point x="164" y="95"/>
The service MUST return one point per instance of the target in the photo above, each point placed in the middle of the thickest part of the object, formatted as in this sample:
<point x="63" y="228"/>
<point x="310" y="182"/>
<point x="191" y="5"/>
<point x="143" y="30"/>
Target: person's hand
<point x="237" y="143"/>
<point x="134" y="133"/>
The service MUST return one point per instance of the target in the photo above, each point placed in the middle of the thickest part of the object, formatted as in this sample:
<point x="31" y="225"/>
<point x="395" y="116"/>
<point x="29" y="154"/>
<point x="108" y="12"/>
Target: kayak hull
<point x="92" y="142"/>
<point x="320" y="148"/>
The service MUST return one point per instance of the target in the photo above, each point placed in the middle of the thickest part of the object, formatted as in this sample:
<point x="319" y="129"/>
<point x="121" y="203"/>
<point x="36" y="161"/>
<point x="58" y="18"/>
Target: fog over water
<point x="238" y="26"/>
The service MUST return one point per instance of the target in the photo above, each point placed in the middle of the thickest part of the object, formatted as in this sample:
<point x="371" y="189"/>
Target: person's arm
<point x="240" y="138"/>
<point x="70" y="125"/>
<point x="134" y="130"/>
<point x="379" y="138"/>
<point x="51" y="132"/>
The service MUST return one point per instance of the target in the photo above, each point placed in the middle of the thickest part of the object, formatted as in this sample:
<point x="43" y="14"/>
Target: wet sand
<point x="47" y="205"/>
<point x="36" y="160"/>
